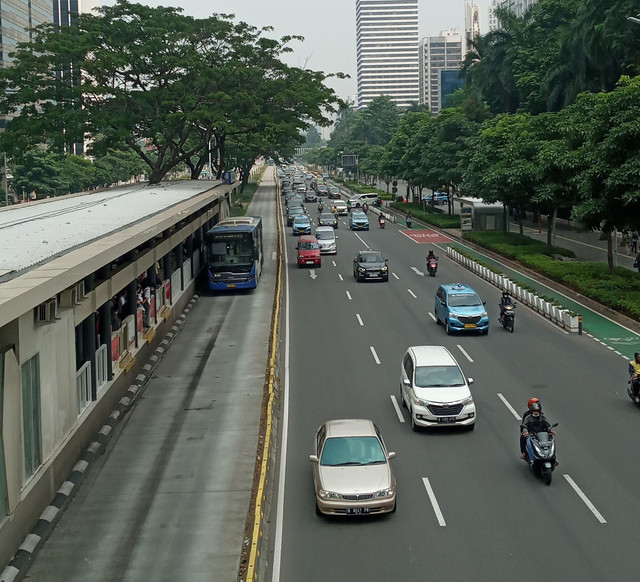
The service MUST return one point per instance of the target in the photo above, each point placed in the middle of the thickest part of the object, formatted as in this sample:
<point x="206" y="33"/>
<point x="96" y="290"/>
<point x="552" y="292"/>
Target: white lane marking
<point x="397" y="407"/>
<point x="359" y="319"/>
<point x="585" y="499"/>
<point x="412" y="293"/>
<point x="274" y="255"/>
<point x="374" y="354"/>
<point x="340" y="277"/>
<point x="312" y="274"/>
<point x="417" y="271"/>
<point x="434" y="502"/>
<point x="277" y="551"/>
<point x="396" y="276"/>
<point x="465" y="353"/>
<point x="348" y="296"/>
<point x="509" y="407"/>
<point x="364" y="243"/>
<point x="432" y="316"/>
<point x="334" y="263"/>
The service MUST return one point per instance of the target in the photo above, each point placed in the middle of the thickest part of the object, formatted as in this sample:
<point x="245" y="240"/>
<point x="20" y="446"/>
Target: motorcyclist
<point x="334" y="209"/>
<point x="381" y="218"/>
<point x="527" y="413"/>
<point x="430" y="256"/>
<point x="320" y="207"/>
<point x="535" y="423"/>
<point x="505" y="301"/>
<point x="634" y="372"/>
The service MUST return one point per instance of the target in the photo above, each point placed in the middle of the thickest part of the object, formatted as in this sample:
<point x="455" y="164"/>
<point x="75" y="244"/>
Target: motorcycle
<point x="378" y="202"/>
<point x="432" y="266"/>
<point x="507" y="316"/>
<point x="320" y="207"/>
<point x="541" y="453"/>
<point x="409" y="222"/>
<point x="381" y="221"/>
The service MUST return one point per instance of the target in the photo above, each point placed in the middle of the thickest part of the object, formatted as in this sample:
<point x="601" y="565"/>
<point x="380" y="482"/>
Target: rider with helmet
<point x="505" y="301"/>
<point x="526" y="414"/>
<point x="430" y="255"/>
<point x="535" y="423"/>
<point x="634" y="372"/>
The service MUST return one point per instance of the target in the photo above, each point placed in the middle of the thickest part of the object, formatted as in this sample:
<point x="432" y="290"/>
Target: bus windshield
<point x="233" y="254"/>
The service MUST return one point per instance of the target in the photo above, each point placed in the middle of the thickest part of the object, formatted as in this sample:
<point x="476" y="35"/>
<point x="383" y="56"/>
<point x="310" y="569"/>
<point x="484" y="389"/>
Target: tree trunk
<point x="610" y="243"/>
<point x="551" y="226"/>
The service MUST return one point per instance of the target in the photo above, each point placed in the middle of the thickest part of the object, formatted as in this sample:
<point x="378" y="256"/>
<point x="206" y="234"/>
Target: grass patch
<point x="432" y="215"/>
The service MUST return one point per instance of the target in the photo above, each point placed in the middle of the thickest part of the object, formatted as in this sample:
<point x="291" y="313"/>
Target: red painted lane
<point x="425" y="237"/>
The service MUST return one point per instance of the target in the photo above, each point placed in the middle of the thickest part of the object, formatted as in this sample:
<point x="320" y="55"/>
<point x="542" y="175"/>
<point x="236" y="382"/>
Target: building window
<point x="83" y="386"/>
<point x="31" y="415"/>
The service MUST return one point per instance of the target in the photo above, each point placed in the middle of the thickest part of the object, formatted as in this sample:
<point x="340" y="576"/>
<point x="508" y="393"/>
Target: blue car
<point x="301" y="225"/>
<point x="358" y="220"/>
<point x="459" y="308"/>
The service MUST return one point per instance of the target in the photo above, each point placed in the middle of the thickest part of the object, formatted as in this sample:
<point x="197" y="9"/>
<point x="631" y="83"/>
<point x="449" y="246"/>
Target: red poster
<point x="139" y="319"/>
<point x="167" y="292"/>
<point x="152" y="308"/>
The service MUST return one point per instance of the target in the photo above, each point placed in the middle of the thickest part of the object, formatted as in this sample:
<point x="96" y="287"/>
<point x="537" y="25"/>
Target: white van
<point x="435" y="390"/>
<point x="326" y="236"/>
<point x="359" y="199"/>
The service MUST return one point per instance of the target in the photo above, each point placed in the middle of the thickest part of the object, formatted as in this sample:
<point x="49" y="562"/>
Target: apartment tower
<point x="387" y="50"/>
<point x="440" y="58"/>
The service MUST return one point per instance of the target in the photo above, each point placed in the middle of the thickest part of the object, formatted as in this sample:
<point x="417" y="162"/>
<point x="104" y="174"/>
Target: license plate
<point x="469" y="325"/>
<point x="309" y="262"/>
<point x="357" y="510"/>
<point x="445" y="419"/>
<point x="230" y="285"/>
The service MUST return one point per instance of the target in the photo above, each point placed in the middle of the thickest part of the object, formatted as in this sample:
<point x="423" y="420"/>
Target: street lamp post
<point x="23" y="198"/>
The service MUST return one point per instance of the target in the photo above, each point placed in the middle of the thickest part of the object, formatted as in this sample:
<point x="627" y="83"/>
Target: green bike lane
<point x="615" y="336"/>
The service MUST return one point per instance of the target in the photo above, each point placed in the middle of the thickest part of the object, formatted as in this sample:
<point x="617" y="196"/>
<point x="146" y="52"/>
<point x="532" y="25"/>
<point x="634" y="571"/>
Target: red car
<point x="308" y="252"/>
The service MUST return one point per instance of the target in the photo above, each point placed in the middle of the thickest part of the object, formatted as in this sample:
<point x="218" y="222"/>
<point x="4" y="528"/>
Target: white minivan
<point x="359" y="199"/>
<point x="435" y="390"/>
<point x="326" y="236"/>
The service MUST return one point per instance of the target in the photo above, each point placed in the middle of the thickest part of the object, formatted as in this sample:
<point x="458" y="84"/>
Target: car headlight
<point x="484" y="314"/>
<point x="329" y="494"/>
<point x="467" y="401"/>
<point x="419" y="402"/>
<point x="385" y="492"/>
<point x="361" y="269"/>
<point x="454" y="315"/>
<point x="384" y="269"/>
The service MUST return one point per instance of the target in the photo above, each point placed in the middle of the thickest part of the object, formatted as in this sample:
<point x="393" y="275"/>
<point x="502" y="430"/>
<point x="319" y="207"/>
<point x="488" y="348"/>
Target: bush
<point x="434" y="216"/>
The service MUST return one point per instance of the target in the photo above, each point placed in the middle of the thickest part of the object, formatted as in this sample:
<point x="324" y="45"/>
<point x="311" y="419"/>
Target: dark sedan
<point x="370" y="265"/>
<point x="327" y="219"/>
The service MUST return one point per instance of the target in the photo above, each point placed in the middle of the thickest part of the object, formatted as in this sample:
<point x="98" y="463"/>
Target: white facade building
<point x="387" y="50"/>
<point x="471" y="23"/>
<point x="518" y="7"/>
<point x="494" y="24"/>
<point x="439" y="57"/>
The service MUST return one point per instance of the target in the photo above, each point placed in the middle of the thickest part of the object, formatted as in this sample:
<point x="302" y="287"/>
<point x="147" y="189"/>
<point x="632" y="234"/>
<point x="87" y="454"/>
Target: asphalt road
<point x="489" y="517"/>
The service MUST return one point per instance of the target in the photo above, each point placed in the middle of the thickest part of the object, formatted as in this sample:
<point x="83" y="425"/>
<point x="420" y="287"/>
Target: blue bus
<point x="234" y="253"/>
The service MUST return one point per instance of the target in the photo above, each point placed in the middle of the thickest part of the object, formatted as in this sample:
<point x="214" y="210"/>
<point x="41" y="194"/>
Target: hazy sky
<point x="328" y="27"/>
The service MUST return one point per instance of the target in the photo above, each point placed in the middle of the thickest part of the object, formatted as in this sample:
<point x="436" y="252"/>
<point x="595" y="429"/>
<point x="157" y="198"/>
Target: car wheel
<point x="318" y="512"/>
<point x="471" y="427"/>
<point x="485" y="331"/>
<point x="402" y="402"/>
<point x="414" y="426"/>
<point x="447" y="327"/>
<point x="437" y="318"/>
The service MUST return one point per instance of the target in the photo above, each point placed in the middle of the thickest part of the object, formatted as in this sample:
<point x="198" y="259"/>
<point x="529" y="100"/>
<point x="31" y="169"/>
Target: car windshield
<point x="464" y="300"/>
<point x="438" y="377"/>
<point x="301" y="220"/>
<point x="308" y="246"/>
<point x="371" y="258"/>
<point x="341" y="451"/>
<point x="334" y="190"/>
<point x="324" y="235"/>
<point x="327" y="216"/>
<point x="358" y="215"/>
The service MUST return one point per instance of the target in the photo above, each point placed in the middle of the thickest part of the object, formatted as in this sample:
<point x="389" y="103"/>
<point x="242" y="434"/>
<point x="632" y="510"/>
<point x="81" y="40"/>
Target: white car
<point x="326" y="236"/>
<point x="435" y="390"/>
<point x="341" y="206"/>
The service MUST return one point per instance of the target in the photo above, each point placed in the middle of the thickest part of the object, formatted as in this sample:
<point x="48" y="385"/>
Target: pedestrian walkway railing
<point x="555" y="313"/>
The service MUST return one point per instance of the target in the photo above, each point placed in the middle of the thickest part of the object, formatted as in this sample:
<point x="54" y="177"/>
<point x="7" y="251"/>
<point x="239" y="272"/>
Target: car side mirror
<point x="297" y="247"/>
<point x="391" y="455"/>
<point x="386" y="261"/>
<point x="313" y="458"/>
<point x="406" y="382"/>
<point x="470" y="381"/>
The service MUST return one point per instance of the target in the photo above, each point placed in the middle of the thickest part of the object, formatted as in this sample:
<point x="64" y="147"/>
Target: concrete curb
<point x="19" y="564"/>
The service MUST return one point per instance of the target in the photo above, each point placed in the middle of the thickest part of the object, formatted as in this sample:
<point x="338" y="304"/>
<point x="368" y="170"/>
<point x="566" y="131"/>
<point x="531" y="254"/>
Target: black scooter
<point x="541" y="453"/>
<point x="507" y="316"/>
<point x="630" y="393"/>
<point x="432" y="266"/>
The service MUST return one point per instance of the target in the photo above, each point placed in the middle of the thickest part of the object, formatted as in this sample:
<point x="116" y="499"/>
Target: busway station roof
<point x="35" y="232"/>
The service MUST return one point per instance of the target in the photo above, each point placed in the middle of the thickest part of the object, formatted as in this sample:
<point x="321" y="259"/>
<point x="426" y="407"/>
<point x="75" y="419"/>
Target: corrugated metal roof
<point x="35" y="232"/>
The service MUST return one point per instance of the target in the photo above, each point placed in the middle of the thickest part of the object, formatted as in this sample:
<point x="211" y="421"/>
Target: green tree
<point x="377" y="123"/>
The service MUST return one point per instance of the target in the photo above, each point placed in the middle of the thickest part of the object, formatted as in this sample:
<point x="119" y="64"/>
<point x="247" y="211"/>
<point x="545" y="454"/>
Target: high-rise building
<point x="471" y="23"/>
<point x="518" y="7"/>
<point x="494" y="24"/>
<point x="387" y="50"/>
<point x="440" y="58"/>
